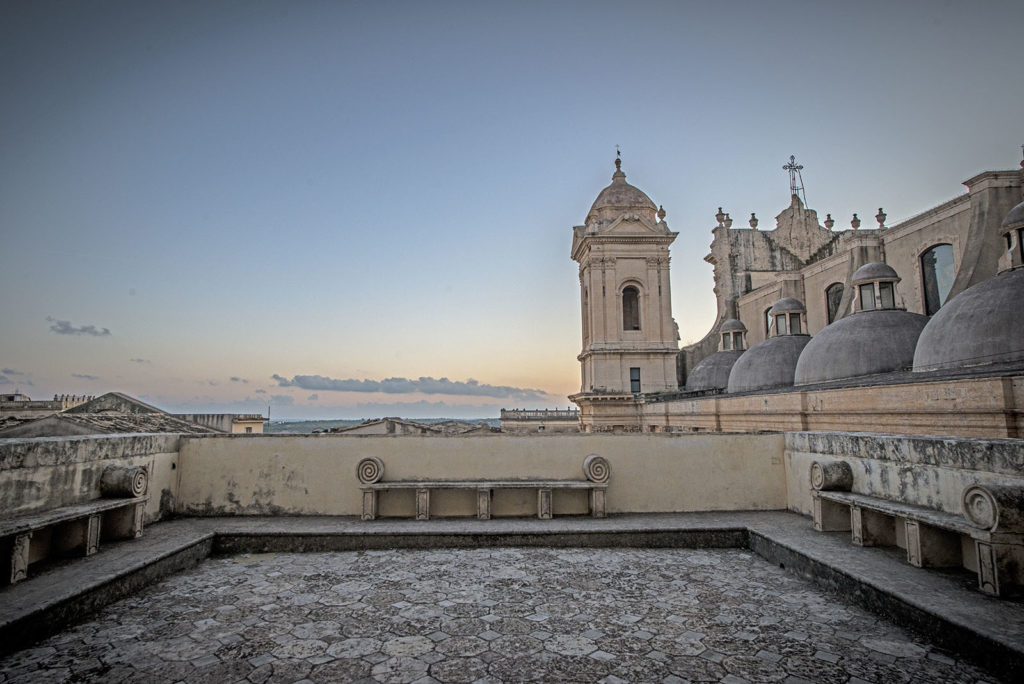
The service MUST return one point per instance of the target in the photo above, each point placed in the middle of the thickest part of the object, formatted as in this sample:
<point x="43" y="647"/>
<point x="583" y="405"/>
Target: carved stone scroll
<point x="836" y="476"/>
<point x="370" y="470"/>
<point x="597" y="469"/>
<point x="994" y="507"/>
<point x="124" y="481"/>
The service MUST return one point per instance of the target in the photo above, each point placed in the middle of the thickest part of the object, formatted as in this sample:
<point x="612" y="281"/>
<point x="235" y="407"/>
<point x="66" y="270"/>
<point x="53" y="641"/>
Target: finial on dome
<point x="661" y="213"/>
<point x="618" y="158"/>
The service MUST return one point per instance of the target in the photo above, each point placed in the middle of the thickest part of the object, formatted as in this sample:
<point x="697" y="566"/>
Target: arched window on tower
<point x="937" y="274"/>
<point x="630" y="308"/>
<point x="833" y="295"/>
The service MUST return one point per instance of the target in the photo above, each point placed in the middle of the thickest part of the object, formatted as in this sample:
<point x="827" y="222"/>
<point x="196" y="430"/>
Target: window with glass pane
<point x="726" y="341"/>
<point x="937" y="274"/>
<point x="634" y="380"/>
<point x="737" y="340"/>
<point x="780" y="325"/>
<point x="794" y="324"/>
<point x="885" y="295"/>
<point x="867" y="297"/>
<point x="833" y="296"/>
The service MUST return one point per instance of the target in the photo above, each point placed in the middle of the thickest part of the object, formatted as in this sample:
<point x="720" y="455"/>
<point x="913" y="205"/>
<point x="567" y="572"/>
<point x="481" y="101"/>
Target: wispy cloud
<point x="468" y="388"/>
<point x="313" y="397"/>
<point x="261" y="391"/>
<point x="65" y="328"/>
<point x="281" y="400"/>
<point x="235" y="378"/>
<point x="85" y="376"/>
<point x="10" y="371"/>
<point x="140" y="360"/>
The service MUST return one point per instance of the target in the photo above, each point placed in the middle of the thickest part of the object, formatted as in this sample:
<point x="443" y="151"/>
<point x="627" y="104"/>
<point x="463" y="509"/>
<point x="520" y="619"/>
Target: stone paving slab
<point x="946" y="606"/>
<point x="501" y="614"/>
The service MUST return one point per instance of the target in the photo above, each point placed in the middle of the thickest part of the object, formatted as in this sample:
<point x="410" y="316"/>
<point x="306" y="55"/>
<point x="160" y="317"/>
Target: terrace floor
<point x="633" y="598"/>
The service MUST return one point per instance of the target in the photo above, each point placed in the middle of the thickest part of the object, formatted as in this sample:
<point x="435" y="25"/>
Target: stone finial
<point x="829" y="222"/>
<point x="880" y="217"/>
<point x="661" y="213"/>
<point x="720" y="217"/>
<point x="728" y="221"/>
<point x="753" y="220"/>
<point x="855" y="222"/>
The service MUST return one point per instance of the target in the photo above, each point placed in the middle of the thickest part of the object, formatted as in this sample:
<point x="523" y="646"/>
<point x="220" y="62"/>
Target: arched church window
<point x="937" y="274"/>
<point x="833" y="296"/>
<point x="630" y="308"/>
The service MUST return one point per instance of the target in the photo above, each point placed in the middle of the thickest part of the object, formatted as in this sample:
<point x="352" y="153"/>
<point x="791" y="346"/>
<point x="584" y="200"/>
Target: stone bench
<point x="76" y="529"/>
<point x="932" y="538"/>
<point x="370" y="472"/>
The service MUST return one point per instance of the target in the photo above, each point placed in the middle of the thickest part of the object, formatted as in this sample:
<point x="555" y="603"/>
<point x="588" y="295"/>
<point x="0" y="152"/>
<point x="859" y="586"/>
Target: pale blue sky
<point x="361" y="191"/>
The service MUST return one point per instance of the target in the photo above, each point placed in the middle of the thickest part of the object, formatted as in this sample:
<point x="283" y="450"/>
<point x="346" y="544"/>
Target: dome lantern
<point x="876" y="286"/>
<point x="787" y="317"/>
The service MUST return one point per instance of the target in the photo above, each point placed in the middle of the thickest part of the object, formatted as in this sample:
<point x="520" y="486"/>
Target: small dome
<point x="874" y="271"/>
<point x="787" y="304"/>
<point x="713" y="371"/>
<point x="732" y="325"/>
<point x="1015" y="219"/>
<point x="984" y="324"/>
<point x="864" y="343"/>
<point x="621" y="197"/>
<point x="767" y="364"/>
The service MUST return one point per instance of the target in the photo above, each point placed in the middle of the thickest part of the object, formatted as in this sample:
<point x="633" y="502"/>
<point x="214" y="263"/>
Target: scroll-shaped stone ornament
<point x="124" y="481"/>
<point x="992" y="507"/>
<point x="370" y="470"/>
<point x="597" y="469"/>
<point x="836" y="476"/>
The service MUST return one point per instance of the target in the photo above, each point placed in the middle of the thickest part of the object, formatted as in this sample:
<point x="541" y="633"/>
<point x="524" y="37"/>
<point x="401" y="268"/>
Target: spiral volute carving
<point x="121" y="481"/>
<point x="370" y="470"/>
<point x="831" y="476"/>
<point x="980" y="507"/>
<point x="597" y="469"/>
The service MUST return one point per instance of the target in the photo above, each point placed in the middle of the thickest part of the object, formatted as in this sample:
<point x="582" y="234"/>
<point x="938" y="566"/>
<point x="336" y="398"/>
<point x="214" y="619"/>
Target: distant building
<point x="232" y="423"/>
<point x="17" y="407"/>
<point x="521" y="421"/>
<point x="401" y="426"/>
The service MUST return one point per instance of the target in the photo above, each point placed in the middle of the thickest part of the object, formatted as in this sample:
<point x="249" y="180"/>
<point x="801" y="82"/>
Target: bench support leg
<point x="597" y="503"/>
<point x="870" y="528"/>
<point x="92" y="535"/>
<point x="999" y="567"/>
<point x="19" y="556"/>
<point x="423" y="504"/>
<point x="483" y="504"/>
<point x="830" y="516"/>
<point x="928" y="547"/>
<point x="369" y="504"/>
<point x="544" y="503"/>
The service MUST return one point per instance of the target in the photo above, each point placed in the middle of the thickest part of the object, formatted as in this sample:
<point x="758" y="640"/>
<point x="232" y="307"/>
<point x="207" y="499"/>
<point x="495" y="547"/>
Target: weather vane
<point x="796" y="179"/>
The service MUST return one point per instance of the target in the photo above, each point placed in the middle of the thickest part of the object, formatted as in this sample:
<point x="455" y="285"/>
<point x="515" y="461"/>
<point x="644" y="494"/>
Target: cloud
<point x="212" y="383"/>
<point x="235" y="378"/>
<point x="313" y="397"/>
<point x="469" y="388"/>
<point x="140" y="360"/>
<point x="85" y="376"/>
<point x="65" y="328"/>
<point x="261" y="391"/>
<point x="281" y="400"/>
<point x="10" y="371"/>
<point x="425" y="409"/>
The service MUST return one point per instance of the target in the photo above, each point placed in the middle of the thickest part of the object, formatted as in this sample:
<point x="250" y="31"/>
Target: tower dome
<point x="984" y="324"/>
<point x="621" y="198"/>
<point x="772" y="363"/>
<point x="877" y="338"/>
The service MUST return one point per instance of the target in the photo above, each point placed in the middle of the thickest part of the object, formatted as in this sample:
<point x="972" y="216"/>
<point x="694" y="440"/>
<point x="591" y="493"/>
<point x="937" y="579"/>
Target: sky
<point x="356" y="209"/>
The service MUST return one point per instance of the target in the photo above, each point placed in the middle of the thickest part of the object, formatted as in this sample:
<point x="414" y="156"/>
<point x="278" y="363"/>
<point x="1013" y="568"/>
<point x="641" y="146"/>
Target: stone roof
<point x="1015" y="219"/>
<point x="787" y="304"/>
<point x="732" y="325"/>
<point x="713" y="371"/>
<point x="621" y="197"/>
<point x="863" y="343"/>
<point x="874" y="271"/>
<point x="771" y="363"/>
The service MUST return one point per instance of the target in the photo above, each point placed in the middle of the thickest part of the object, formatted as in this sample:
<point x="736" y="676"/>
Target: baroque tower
<point x="630" y="340"/>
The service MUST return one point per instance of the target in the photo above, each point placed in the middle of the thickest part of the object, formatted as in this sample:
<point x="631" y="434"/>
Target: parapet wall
<point x="928" y="471"/>
<point x="48" y="472"/>
<point x="316" y="474"/>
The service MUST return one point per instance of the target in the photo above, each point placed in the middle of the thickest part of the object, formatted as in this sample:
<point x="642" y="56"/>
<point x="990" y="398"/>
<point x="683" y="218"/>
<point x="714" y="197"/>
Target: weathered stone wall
<point x="928" y="471"/>
<point x="316" y="474"/>
<point x="48" y="472"/>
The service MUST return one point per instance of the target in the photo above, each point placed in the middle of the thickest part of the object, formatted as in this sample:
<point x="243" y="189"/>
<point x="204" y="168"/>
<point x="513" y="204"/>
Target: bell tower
<point x="630" y="340"/>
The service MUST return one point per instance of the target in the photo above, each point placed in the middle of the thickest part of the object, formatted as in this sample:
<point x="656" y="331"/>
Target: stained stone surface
<point x="509" y="614"/>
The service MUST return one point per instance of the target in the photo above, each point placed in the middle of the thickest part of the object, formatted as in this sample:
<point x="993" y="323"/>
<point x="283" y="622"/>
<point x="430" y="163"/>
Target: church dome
<point x="984" y="324"/>
<point x="732" y="325"/>
<point x="875" y="270"/>
<point x="863" y="343"/>
<point x="768" y="364"/>
<point x="787" y="304"/>
<point x="713" y="371"/>
<point x="1015" y="219"/>
<point x="619" y="198"/>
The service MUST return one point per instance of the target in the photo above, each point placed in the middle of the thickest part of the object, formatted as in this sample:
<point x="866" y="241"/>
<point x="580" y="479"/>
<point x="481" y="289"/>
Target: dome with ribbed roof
<point x="621" y="198"/>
